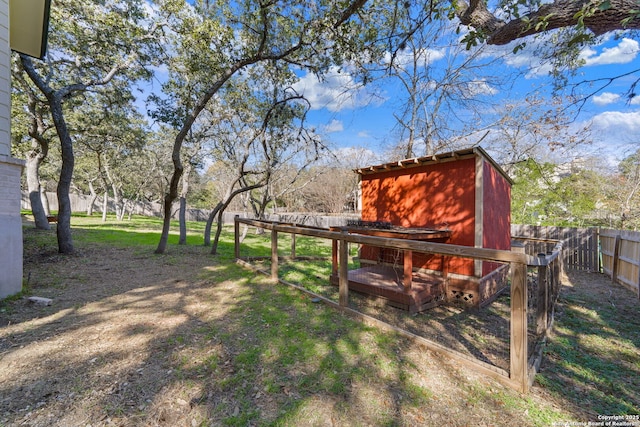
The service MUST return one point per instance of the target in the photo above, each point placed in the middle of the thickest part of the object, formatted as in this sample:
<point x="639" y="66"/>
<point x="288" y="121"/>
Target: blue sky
<point x="364" y="117"/>
<point x="349" y="115"/>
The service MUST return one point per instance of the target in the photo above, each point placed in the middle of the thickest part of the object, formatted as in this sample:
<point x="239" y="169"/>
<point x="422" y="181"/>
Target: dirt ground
<point x="105" y="351"/>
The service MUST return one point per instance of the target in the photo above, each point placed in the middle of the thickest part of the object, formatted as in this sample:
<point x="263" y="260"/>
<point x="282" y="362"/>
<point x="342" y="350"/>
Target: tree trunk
<point x="220" y="209"/>
<point x="214" y="248"/>
<point x="245" y="230"/>
<point x="63" y="230"/>
<point x="166" y="223"/>
<point x="120" y="203"/>
<point x="92" y="200"/>
<point x="183" y="221"/>
<point x="34" y="160"/>
<point x="183" y="205"/>
<point x="105" y="206"/>
<point x="54" y="99"/>
<point x="172" y="194"/>
<point x="45" y="200"/>
<point x="207" y="227"/>
<point x="117" y="202"/>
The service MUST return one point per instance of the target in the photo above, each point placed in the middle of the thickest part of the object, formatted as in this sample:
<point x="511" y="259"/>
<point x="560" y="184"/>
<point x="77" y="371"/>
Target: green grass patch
<point x="273" y="342"/>
<point x="139" y="231"/>
<point x="593" y="357"/>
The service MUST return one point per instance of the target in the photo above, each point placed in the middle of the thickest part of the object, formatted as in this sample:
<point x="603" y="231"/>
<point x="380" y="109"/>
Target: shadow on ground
<point x="185" y="338"/>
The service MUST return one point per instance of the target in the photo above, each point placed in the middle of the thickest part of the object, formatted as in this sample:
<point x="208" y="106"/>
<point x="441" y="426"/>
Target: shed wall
<point x="496" y="213"/>
<point x="440" y="195"/>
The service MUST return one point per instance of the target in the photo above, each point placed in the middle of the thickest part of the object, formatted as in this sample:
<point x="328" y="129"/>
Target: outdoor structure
<point x="10" y="171"/>
<point x="459" y="198"/>
<point x="534" y="289"/>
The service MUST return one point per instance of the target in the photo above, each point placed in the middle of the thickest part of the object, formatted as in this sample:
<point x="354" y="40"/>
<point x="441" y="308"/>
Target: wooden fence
<point x="620" y="252"/>
<point x="615" y="253"/>
<point x="580" y="244"/>
<point x="523" y="363"/>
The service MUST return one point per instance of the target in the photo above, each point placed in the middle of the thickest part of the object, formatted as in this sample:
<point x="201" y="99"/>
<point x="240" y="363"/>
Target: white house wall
<point x="10" y="171"/>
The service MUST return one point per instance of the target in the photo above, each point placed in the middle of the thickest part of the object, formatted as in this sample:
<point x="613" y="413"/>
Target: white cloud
<point x="338" y="91"/>
<point x="364" y="134"/>
<point x="606" y="98"/>
<point x="527" y="58"/>
<point x="480" y="87"/>
<point x="614" y="133"/>
<point x="334" y="126"/>
<point x="405" y="58"/>
<point x="618" y="121"/>
<point x="625" y="52"/>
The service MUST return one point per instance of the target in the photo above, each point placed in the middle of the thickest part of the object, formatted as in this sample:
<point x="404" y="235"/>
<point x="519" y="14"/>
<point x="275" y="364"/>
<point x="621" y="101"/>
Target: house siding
<point x="10" y="172"/>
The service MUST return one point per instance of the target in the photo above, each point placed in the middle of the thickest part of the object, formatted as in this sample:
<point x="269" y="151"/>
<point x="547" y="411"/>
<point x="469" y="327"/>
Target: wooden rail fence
<point x="523" y="364"/>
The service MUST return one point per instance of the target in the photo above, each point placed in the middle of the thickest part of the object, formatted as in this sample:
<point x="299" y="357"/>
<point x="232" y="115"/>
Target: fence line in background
<point x="580" y="244"/>
<point x="613" y="252"/>
<point x="80" y="203"/>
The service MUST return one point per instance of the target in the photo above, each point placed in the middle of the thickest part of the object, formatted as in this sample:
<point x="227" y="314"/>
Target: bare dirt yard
<point x="187" y="339"/>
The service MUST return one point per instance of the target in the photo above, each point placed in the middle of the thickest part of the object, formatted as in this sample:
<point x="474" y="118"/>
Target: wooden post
<point x="334" y="254"/>
<point x="274" y="254"/>
<point x="598" y="249"/>
<point x="639" y="282"/>
<point x="407" y="270"/>
<point x="542" y="306"/>
<point x="343" y="282"/>
<point x="445" y="276"/>
<point x="293" y="244"/>
<point x="616" y="255"/>
<point x="558" y="267"/>
<point x="519" y="345"/>
<point x="236" y="231"/>
<point x="518" y="352"/>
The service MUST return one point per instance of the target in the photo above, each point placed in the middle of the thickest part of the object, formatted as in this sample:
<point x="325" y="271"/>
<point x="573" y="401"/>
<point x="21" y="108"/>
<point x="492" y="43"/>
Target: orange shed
<point x="465" y="192"/>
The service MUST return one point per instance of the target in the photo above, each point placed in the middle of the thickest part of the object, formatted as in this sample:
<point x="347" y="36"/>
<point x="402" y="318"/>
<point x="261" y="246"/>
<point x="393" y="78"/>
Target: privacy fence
<point x="503" y="339"/>
<point x="615" y="253"/>
<point x="82" y="203"/>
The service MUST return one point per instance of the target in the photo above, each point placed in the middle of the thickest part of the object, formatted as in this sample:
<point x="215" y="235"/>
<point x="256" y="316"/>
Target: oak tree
<point x="104" y="42"/>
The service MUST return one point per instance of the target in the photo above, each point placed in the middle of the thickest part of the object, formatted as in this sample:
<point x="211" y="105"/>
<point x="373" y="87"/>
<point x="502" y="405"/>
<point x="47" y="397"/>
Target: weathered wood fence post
<point x="334" y="253"/>
<point x="616" y="258"/>
<point x="542" y="305"/>
<point x="293" y="244"/>
<point x="274" y="254"/>
<point x="519" y="353"/>
<point x="236" y="232"/>
<point x="343" y="266"/>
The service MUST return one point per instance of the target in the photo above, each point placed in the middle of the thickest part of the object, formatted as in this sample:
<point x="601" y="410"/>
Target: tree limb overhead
<point x="604" y="17"/>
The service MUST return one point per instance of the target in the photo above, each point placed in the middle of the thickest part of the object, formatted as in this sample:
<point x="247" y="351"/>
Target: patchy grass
<point x="188" y="338"/>
<point x="593" y="357"/>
